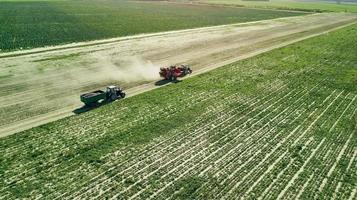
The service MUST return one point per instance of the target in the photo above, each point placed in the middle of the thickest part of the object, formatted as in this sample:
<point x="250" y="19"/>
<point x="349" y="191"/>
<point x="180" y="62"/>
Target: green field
<point x="28" y="24"/>
<point x="317" y="6"/>
<point x="281" y="124"/>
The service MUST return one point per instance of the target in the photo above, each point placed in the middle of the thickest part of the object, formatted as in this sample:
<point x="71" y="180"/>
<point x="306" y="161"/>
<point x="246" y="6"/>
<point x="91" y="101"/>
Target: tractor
<point x="112" y="93"/>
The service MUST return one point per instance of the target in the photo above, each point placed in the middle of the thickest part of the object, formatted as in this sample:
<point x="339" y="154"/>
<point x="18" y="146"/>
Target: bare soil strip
<point x="43" y="85"/>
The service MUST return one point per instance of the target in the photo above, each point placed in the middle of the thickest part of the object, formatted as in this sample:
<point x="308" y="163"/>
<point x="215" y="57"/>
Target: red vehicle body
<point x="173" y="72"/>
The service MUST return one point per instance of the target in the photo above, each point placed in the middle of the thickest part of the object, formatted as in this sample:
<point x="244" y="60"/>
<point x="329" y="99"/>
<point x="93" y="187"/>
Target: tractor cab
<point x="114" y="92"/>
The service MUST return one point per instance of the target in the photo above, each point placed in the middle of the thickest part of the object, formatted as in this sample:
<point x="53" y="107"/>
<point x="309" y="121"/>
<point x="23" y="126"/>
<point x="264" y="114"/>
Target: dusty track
<point x="42" y="85"/>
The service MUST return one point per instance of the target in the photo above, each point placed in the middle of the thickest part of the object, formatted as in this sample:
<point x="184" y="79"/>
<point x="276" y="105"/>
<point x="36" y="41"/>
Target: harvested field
<point x="281" y="125"/>
<point x="42" y="85"/>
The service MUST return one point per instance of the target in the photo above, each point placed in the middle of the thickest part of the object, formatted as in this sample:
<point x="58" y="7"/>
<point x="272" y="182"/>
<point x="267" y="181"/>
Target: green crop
<point x="28" y="24"/>
<point x="278" y="125"/>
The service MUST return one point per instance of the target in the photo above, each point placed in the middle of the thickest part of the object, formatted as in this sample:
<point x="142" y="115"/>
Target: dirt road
<point x="42" y="85"/>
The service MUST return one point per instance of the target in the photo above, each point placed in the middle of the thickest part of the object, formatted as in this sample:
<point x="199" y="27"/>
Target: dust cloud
<point x="100" y="70"/>
<point x="124" y="69"/>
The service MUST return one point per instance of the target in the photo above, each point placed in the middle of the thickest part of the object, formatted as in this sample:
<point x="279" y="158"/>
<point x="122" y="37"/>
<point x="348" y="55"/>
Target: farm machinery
<point x="112" y="93"/>
<point x="173" y="72"/>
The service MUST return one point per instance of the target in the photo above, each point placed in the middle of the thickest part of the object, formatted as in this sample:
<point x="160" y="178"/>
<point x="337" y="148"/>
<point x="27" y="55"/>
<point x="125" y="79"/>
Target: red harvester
<point x="171" y="73"/>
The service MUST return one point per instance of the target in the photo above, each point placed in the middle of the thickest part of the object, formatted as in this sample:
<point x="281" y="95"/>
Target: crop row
<point x="188" y="157"/>
<point x="175" y="156"/>
<point x="58" y="148"/>
<point x="162" y="151"/>
<point x="19" y="177"/>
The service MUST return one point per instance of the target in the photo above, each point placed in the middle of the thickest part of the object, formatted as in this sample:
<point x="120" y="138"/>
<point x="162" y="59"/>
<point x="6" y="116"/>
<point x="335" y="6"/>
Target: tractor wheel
<point x="113" y="98"/>
<point x="122" y="95"/>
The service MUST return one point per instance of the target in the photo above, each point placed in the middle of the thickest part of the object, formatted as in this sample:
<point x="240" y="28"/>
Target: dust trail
<point x="123" y="69"/>
<point x="101" y="69"/>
